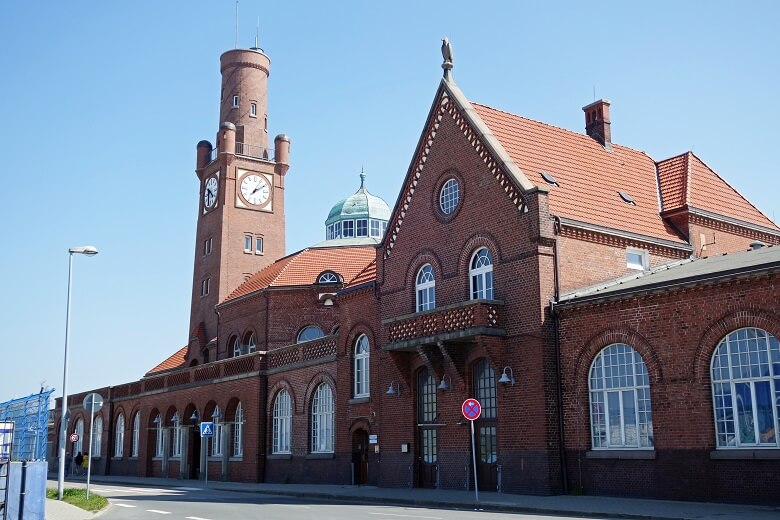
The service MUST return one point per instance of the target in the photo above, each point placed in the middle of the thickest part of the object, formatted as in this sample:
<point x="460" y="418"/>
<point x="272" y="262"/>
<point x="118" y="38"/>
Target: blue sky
<point x="102" y="104"/>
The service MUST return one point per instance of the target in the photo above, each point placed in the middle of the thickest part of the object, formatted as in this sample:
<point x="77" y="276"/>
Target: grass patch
<point x="78" y="497"/>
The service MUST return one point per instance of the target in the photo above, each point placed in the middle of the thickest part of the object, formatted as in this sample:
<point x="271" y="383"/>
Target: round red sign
<point x="74" y="437"/>
<point x="471" y="409"/>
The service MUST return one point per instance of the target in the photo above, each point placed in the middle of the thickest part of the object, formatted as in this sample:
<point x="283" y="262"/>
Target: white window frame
<point x="322" y="412"/>
<point x="248" y="241"/>
<point x="375" y="228"/>
<point x="235" y="101"/>
<point x="328" y="277"/>
<point x="259" y="245"/>
<point x="176" y="434"/>
<point x="303" y="332"/>
<point x="238" y="432"/>
<point x="637" y="259"/>
<point x="216" y="441"/>
<point x="619" y="372"/>
<point x="136" y="433"/>
<point x="253" y="109"/>
<point x="251" y="344"/>
<point x="745" y="358"/>
<point x="119" y="436"/>
<point x="159" y="441"/>
<point x="425" y="289"/>
<point x="347" y="229"/>
<point x="282" y="423"/>
<point x="235" y="346"/>
<point x="362" y="371"/>
<point x="78" y="446"/>
<point x="449" y="196"/>
<point x="481" y="274"/>
<point x="97" y="436"/>
<point x="361" y="223"/>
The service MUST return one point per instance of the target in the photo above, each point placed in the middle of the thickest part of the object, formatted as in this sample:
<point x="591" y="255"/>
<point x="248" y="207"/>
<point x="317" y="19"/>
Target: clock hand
<point x="257" y="187"/>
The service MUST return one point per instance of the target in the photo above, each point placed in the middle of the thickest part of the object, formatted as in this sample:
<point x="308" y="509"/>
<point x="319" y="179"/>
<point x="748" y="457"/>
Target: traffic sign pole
<point x="472" y="410"/>
<point x="474" y="461"/>
<point x="89" y="459"/>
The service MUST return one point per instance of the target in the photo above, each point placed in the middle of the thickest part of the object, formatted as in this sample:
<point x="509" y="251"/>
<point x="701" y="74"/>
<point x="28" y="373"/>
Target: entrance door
<point x="487" y="458"/>
<point x="427" y="445"/>
<point x="193" y="454"/>
<point x="486" y="426"/>
<point x="360" y="457"/>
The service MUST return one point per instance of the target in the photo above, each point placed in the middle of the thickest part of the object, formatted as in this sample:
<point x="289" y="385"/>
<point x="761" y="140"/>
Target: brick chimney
<point x="597" y="123"/>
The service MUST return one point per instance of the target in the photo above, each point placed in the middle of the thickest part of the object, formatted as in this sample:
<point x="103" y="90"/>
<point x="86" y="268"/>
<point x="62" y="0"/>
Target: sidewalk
<point x="581" y="506"/>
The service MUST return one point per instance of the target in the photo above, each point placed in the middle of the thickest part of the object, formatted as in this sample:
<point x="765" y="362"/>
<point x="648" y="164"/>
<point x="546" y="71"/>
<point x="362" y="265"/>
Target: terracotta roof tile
<point x="673" y="174"/>
<point x="368" y="274"/>
<point x="303" y="267"/>
<point x="172" y="362"/>
<point x="589" y="176"/>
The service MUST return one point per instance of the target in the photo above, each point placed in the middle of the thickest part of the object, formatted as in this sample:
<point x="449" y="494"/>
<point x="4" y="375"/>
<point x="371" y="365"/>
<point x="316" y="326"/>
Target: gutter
<point x="563" y="221"/>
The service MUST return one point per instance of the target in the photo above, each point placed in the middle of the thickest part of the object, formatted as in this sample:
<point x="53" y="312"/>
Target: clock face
<point x="255" y="189"/>
<point x="210" y="194"/>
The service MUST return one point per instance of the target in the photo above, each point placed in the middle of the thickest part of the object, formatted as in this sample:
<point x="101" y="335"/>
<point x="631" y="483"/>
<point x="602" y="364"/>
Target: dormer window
<point x="348" y="228"/>
<point x="328" y="277"/>
<point x="362" y="227"/>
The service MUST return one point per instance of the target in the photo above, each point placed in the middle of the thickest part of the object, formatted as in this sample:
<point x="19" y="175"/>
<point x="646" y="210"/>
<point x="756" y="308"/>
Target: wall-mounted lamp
<point x="507" y="378"/>
<point x="175" y="419"/>
<point x="444" y="385"/>
<point x="194" y="416"/>
<point x="215" y="415"/>
<point x="394" y="389"/>
<point x="157" y="420"/>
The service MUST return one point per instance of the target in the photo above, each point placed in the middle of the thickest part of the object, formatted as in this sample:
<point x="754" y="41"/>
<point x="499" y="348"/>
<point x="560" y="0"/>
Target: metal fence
<point x="30" y="416"/>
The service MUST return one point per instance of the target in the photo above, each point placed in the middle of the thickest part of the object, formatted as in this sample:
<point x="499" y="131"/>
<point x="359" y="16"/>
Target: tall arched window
<point x="235" y="346"/>
<point x="425" y="288"/>
<point x="481" y="275"/>
<point x="119" y="436"/>
<point x="322" y="420"/>
<point x="309" y="333"/>
<point x="251" y="343"/>
<point x="427" y="415"/>
<point x="78" y="446"/>
<point x="136" y="433"/>
<point x="176" y="435"/>
<point x="238" y="432"/>
<point x="216" y="441"/>
<point x="159" y="444"/>
<point x="362" y="352"/>
<point x="746" y="390"/>
<point x="620" y="414"/>
<point x="97" y="435"/>
<point x="484" y="378"/>
<point x="282" y="423"/>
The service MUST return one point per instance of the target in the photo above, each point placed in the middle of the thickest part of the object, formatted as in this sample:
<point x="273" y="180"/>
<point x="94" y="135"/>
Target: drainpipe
<point x="557" y="329"/>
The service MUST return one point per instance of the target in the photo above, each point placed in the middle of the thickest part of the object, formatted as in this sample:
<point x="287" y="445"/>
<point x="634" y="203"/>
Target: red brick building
<point x="559" y="278"/>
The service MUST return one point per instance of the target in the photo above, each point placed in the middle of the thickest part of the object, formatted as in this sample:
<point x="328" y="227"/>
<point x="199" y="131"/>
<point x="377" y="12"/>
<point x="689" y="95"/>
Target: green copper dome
<point x="361" y="215"/>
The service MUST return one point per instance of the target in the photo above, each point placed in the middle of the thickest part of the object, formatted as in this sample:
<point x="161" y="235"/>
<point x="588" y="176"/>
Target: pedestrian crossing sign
<point x="207" y="429"/>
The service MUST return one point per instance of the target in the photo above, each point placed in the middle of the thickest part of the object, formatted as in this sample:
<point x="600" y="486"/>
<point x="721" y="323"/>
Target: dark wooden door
<point x="487" y="457"/>
<point x="360" y="457"/>
<point x="193" y="453"/>
<point x="427" y="442"/>
<point x="427" y="457"/>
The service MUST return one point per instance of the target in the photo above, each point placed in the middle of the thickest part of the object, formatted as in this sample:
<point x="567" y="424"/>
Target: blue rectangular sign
<point x="207" y="429"/>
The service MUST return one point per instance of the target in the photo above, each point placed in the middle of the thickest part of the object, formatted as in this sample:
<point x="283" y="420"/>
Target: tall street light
<point x="89" y="251"/>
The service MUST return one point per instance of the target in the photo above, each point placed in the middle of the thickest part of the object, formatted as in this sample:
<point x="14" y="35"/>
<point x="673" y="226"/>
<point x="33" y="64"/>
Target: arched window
<point x="176" y="435"/>
<point x="136" y="432"/>
<point x="426" y="288"/>
<point x="620" y="414"/>
<point x="119" y="436"/>
<point x="216" y="441"/>
<point x="427" y="414"/>
<point x="362" y="352"/>
<point x="235" y="346"/>
<point x="251" y="343"/>
<point x="282" y="423"/>
<point x="322" y="420"/>
<point x="481" y="275"/>
<point x="238" y="432"/>
<point x="309" y="333"/>
<point x="745" y="367"/>
<point x="328" y="277"/>
<point x="159" y="444"/>
<point x="487" y="427"/>
<point x="97" y="435"/>
<point x="78" y="446"/>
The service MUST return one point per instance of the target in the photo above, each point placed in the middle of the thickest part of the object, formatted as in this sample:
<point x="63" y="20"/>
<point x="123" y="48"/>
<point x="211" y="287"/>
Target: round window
<point x="449" y="196"/>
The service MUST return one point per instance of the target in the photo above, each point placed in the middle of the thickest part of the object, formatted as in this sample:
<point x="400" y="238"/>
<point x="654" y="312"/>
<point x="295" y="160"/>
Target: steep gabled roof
<point x="303" y="268"/>
<point x="172" y="362"/>
<point x="686" y="181"/>
<point x="589" y="177"/>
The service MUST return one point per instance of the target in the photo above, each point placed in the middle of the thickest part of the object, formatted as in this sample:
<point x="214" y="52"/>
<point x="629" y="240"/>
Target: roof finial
<point x="362" y="177"/>
<point x="257" y="35"/>
<point x="446" y="53"/>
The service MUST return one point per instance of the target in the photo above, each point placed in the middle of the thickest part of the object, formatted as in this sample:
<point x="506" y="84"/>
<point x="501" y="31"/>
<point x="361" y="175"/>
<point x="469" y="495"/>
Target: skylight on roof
<point x="626" y="198"/>
<point x="549" y="179"/>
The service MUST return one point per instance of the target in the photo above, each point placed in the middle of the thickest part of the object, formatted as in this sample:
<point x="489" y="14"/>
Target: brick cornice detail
<point x="243" y="64"/>
<point x="616" y="241"/>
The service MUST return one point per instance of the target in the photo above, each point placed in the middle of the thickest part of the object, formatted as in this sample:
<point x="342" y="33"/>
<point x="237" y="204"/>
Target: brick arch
<point x="477" y="241"/>
<point x="359" y="423"/>
<point x="730" y="321"/>
<point x="358" y="329"/>
<point x="314" y="382"/>
<point x="426" y="256"/>
<point x="273" y="392"/>
<point x="611" y="336"/>
<point x="230" y="409"/>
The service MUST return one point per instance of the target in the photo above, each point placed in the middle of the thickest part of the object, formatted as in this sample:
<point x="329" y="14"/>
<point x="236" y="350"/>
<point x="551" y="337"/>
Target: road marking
<point x="190" y="489"/>
<point x="408" y="516"/>
<point x="195" y="518"/>
<point x="123" y="505"/>
<point x="158" y="511"/>
<point x="290" y="505"/>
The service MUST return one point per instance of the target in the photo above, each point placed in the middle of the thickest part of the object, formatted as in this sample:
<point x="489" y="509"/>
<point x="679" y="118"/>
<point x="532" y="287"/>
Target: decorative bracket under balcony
<point x="459" y="322"/>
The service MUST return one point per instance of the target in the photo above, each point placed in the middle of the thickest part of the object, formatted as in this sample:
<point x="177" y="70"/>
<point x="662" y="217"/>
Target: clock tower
<point x="240" y="221"/>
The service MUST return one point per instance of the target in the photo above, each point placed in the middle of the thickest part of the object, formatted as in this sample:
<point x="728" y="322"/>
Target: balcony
<point x="460" y="322"/>
<point x="307" y="353"/>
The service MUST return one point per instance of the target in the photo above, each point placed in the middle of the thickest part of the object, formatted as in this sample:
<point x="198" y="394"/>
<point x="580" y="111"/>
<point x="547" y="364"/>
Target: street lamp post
<point x="89" y="251"/>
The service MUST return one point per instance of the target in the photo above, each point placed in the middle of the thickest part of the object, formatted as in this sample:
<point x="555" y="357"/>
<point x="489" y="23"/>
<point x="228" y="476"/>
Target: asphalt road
<point x="180" y="503"/>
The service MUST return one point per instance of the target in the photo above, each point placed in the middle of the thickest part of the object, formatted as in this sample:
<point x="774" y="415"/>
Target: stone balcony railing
<point x="306" y="353"/>
<point x="460" y="321"/>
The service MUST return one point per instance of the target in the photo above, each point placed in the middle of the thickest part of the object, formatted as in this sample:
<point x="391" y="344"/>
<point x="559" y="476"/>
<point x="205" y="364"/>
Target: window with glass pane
<point x="235" y="346"/>
<point x="238" y="432"/>
<point x="361" y="228"/>
<point x="485" y="381"/>
<point x="259" y="245"/>
<point x="248" y="243"/>
<point x="78" y="446"/>
<point x="282" y="423"/>
<point x="328" y="277"/>
<point x="158" y="452"/>
<point x="620" y="412"/>
<point x="309" y="333"/>
<point x="348" y="228"/>
<point x="361" y="367"/>
<point x="481" y="274"/>
<point x="427" y="413"/>
<point x="136" y="432"/>
<point x="376" y="228"/>
<point x="426" y="289"/>
<point x="251" y="343"/>
<point x="119" y="436"/>
<point x="745" y="373"/>
<point x="449" y="197"/>
<point x="176" y="435"/>
<point x="216" y="440"/>
<point x="322" y="420"/>
<point x="97" y="435"/>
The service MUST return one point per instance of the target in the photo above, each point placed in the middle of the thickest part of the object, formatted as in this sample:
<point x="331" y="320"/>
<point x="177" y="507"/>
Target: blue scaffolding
<point x="30" y="416"/>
